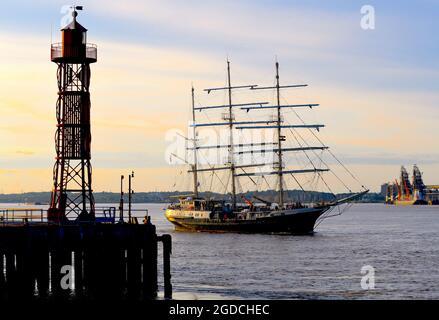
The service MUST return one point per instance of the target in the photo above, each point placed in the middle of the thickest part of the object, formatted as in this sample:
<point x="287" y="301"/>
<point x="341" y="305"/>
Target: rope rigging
<point x="331" y="153"/>
<point x="316" y="180"/>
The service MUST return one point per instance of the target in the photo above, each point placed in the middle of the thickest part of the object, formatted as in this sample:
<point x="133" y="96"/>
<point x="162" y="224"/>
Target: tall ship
<point x="262" y="163"/>
<point x="411" y="192"/>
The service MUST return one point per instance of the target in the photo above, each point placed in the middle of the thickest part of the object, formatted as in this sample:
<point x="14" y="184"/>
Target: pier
<point x="91" y="261"/>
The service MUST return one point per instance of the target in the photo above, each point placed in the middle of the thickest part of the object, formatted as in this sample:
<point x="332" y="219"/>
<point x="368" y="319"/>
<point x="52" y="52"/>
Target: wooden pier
<point x="82" y="261"/>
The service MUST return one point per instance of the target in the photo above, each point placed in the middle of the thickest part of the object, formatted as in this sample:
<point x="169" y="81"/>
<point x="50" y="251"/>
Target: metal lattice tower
<point x="72" y="196"/>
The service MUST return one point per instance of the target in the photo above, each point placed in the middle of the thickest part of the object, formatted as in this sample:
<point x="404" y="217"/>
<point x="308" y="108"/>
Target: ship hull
<point x="301" y="222"/>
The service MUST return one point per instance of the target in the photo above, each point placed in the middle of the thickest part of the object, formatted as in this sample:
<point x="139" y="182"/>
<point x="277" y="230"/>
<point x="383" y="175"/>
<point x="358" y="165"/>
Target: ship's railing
<point x="58" y="50"/>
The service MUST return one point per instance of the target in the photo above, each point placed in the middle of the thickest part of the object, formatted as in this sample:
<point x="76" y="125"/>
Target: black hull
<point x="298" y="224"/>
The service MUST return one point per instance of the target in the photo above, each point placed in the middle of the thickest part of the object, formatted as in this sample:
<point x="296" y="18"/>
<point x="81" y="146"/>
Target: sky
<point x="377" y="88"/>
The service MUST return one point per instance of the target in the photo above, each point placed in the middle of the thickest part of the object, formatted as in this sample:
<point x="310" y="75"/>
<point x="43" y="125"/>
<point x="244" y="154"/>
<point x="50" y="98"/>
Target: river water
<point x="400" y="243"/>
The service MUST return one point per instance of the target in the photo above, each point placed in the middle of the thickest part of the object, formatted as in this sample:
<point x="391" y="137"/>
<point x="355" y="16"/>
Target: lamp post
<point x="130" y="192"/>
<point x="121" y="200"/>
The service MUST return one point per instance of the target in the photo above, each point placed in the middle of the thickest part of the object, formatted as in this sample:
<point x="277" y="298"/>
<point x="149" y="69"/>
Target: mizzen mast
<point x="229" y="121"/>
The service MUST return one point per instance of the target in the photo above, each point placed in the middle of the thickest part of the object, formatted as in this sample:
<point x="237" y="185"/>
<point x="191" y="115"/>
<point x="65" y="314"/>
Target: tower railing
<point x="58" y="51"/>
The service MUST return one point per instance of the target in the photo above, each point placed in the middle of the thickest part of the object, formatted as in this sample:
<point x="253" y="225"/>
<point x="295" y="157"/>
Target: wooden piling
<point x="167" y="250"/>
<point x="2" y="277"/>
<point x="104" y="261"/>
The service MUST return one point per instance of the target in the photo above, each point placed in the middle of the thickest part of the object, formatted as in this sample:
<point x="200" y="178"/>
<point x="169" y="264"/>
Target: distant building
<point x="384" y="187"/>
<point x="432" y="193"/>
<point x="410" y="191"/>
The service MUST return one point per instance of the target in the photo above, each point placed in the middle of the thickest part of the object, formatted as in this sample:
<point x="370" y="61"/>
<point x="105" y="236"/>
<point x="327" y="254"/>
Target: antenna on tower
<point x="75" y="9"/>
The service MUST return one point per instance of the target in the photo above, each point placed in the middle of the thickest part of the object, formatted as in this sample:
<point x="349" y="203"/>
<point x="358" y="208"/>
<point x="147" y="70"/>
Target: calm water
<point x="401" y="243"/>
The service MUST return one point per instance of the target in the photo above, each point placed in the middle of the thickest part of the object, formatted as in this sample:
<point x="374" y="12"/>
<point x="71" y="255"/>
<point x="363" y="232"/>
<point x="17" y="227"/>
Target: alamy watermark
<point x="213" y="146"/>
<point x="367" y="21"/>
<point x="368" y="278"/>
<point x="68" y="278"/>
<point x="66" y="10"/>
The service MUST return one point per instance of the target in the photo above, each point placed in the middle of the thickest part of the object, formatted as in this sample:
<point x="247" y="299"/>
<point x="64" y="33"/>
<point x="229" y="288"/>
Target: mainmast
<point x="231" y="149"/>
<point x="280" y="138"/>
<point x="194" y="139"/>
<point x="228" y="121"/>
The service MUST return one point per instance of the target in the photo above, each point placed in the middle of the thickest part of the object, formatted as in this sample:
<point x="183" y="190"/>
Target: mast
<point x="195" y="164"/>
<point x="237" y="170"/>
<point x="257" y="125"/>
<point x="231" y="149"/>
<point x="280" y="138"/>
<point x="229" y="121"/>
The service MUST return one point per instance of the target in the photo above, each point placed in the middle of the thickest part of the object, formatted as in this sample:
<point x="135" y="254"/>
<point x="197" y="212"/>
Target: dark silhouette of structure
<point x="72" y="197"/>
<point x="102" y="259"/>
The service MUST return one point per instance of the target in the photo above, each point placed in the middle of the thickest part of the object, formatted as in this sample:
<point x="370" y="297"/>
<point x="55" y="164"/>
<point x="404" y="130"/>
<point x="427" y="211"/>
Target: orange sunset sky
<point x="378" y="89"/>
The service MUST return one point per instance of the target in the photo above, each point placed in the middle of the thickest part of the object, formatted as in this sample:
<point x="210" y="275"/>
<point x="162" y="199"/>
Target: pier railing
<point x="22" y="215"/>
<point x="102" y="214"/>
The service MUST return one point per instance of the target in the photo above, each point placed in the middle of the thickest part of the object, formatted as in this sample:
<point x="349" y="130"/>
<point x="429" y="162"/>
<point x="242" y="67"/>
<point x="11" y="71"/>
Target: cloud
<point x="233" y="21"/>
<point x="25" y="152"/>
<point x="377" y="106"/>
<point x="390" y="159"/>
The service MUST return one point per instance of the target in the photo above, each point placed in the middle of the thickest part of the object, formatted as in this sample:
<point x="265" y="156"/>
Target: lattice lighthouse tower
<point x="72" y="197"/>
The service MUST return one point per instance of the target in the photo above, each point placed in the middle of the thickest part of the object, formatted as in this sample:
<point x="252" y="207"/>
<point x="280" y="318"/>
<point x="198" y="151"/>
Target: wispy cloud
<point x="25" y="152"/>
<point x="378" y="91"/>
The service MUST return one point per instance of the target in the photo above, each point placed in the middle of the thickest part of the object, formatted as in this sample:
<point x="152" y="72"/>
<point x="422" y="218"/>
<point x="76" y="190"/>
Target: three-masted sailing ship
<point x="257" y="215"/>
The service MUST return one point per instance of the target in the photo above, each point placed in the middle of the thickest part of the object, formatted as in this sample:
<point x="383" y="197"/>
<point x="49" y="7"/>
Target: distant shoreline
<point x="169" y="196"/>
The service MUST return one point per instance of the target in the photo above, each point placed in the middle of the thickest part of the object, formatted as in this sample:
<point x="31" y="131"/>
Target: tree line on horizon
<point x="170" y="196"/>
